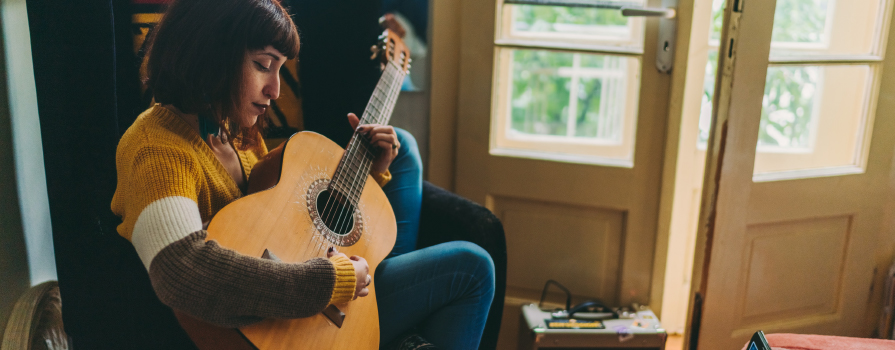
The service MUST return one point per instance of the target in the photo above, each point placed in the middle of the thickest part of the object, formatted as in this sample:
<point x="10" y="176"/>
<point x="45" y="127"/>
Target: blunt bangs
<point x="271" y="25"/>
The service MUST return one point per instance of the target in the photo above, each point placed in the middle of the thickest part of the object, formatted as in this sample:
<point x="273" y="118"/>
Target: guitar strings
<point x="359" y="144"/>
<point x="337" y="183"/>
<point x="360" y="174"/>
<point x="359" y="181"/>
<point x="352" y="155"/>
<point x="368" y="155"/>
<point x="328" y="210"/>
<point x="360" y="178"/>
<point x="326" y="213"/>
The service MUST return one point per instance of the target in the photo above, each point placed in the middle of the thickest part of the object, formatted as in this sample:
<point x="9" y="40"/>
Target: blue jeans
<point x="445" y="290"/>
<point x="405" y="192"/>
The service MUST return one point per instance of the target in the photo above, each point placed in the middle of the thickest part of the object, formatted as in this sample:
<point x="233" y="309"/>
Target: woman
<point x="213" y="69"/>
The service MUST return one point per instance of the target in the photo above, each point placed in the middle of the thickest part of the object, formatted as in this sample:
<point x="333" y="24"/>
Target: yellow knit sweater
<point x="162" y="156"/>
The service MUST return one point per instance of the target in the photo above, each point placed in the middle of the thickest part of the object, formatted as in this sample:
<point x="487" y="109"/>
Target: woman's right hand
<point x="361" y="273"/>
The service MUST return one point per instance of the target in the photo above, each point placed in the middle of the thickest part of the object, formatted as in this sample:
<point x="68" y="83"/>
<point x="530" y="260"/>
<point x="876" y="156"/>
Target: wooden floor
<point x="675" y="342"/>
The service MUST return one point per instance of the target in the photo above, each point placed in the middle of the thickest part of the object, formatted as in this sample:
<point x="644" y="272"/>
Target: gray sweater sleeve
<point x="226" y="288"/>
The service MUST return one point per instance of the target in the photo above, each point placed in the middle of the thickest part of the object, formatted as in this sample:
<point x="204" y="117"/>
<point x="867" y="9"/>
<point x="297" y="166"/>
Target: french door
<point x="791" y="236"/>
<point x="560" y="133"/>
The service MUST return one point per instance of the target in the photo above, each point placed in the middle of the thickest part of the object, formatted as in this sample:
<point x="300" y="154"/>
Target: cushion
<point x="786" y="341"/>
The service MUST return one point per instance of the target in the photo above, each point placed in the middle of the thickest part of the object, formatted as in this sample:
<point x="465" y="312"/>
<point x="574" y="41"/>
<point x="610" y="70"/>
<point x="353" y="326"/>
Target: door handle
<point x="667" y="30"/>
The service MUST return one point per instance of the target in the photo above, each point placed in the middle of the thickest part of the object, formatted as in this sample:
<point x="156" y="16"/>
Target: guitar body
<point x="281" y="219"/>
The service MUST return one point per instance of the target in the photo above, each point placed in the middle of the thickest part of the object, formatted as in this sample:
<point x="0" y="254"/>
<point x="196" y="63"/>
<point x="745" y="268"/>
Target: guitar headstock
<point x="391" y="48"/>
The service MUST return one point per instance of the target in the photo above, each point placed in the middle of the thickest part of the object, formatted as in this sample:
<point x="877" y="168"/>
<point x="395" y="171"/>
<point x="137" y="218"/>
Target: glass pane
<point x="717" y="21"/>
<point x="802" y="21"/>
<point x="565" y="103"/>
<point x="540" y="96"/>
<point x="801" y="129"/>
<point x="708" y="92"/>
<point x="570" y="20"/>
<point x="817" y="27"/>
<point x="812" y="117"/>
<point x="568" y="95"/>
<point x="801" y="27"/>
<point x="825" y="27"/>
<point x="573" y="24"/>
<point x="788" y="111"/>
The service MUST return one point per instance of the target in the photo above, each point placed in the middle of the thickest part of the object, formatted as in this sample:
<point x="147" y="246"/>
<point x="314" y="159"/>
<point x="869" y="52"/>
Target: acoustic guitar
<point x="307" y="195"/>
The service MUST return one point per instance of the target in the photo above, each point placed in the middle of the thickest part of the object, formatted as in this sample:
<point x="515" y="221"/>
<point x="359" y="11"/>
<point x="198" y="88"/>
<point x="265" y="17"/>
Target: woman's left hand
<point x="382" y="136"/>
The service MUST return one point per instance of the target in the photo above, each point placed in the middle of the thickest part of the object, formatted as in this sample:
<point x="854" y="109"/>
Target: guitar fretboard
<point x="351" y="174"/>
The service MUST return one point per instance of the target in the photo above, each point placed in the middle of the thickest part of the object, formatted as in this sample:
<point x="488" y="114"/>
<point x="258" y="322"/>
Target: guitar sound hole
<point x="336" y="212"/>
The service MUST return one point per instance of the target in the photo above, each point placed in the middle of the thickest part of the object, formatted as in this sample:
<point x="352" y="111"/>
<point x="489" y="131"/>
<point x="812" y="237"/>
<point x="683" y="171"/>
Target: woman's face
<point x="261" y="84"/>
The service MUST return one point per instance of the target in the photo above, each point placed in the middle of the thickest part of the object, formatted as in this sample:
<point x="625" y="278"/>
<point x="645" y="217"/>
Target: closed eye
<point x="262" y="67"/>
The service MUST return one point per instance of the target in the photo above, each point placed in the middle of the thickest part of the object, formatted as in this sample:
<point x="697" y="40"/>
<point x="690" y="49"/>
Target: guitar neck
<point x="382" y="102"/>
<point x="351" y="174"/>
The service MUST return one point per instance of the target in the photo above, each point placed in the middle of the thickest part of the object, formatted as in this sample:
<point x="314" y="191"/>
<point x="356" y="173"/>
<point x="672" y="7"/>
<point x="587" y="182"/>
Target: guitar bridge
<point x="334" y="314"/>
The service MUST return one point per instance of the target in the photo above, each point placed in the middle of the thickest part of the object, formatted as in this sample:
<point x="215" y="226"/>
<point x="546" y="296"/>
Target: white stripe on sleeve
<point x="163" y="222"/>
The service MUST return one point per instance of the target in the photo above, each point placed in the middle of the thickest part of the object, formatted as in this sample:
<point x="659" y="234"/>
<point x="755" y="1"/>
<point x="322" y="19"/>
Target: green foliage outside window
<point x="533" y="18"/>
<point x="788" y="106"/>
<point x="800" y="21"/>
<point x="795" y="21"/>
<point x="790" y="91"/>
<point x="541" y="94"/>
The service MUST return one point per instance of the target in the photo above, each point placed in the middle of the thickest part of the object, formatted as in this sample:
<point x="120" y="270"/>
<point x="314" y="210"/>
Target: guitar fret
<point x="351" y="174"/>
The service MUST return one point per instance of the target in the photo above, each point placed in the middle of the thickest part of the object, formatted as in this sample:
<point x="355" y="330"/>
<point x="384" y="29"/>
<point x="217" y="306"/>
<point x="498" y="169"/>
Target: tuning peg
<point x="375" y="50"/>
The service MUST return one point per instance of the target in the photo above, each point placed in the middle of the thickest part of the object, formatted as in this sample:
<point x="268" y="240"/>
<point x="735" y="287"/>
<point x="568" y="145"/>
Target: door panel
<point x="791" y="224"/>
<point x="813" y="253"/>
<point x="534" y="261"/>
<point x="561" y="133"/>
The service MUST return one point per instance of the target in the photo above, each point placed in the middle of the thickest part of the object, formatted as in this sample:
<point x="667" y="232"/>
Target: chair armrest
<point x="446" y="217"/>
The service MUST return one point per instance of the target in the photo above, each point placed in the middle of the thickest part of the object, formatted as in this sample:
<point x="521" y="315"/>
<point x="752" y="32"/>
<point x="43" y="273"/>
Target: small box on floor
<point x="636" y="327"/>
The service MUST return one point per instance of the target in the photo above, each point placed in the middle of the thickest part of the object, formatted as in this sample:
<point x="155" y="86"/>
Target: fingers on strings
<point x="383" y="137"/>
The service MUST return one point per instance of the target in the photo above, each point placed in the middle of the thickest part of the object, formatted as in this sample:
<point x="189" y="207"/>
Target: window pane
<point x="570" y="20"/>
<point x="717" y="20"/>
<point x="573" y="25"/>
<point x="812" y="117"/>
<point x="817" y="27"/>
<point x="540" y="95"/>
<point x="564" y="103"/>
<point x="802" y="21"/>
<point x="788" y="110"/>
<point x="708" y="91"/>
<point x="568" y="94"/>
<point x="825" y="27"/>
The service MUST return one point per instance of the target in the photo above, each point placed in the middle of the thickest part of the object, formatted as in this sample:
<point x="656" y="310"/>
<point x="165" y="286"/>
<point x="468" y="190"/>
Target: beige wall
<point x="445" y="70"/>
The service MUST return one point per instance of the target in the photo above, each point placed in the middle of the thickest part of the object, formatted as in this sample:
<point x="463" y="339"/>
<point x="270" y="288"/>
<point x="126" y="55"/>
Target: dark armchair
<point x="448" y="217"/>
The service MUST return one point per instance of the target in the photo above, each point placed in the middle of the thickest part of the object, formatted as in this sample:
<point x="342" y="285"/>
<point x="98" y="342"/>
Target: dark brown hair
<point x="197" y="51"/>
